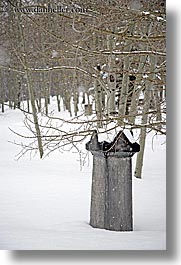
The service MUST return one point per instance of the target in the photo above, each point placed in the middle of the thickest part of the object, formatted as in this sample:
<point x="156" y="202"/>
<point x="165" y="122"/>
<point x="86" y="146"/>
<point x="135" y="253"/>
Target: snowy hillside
<point x="45" y="204"/>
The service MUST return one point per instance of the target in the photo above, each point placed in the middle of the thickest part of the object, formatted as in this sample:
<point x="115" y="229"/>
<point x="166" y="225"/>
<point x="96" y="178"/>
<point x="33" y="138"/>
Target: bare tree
<point x="114" y="53"/>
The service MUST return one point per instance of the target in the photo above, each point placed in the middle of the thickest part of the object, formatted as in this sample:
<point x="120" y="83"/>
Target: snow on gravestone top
<point x="123" y="142"/>
<point x="110" y="135"/>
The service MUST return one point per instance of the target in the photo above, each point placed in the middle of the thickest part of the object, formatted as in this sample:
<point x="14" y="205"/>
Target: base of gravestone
<point x="111" y="197"/>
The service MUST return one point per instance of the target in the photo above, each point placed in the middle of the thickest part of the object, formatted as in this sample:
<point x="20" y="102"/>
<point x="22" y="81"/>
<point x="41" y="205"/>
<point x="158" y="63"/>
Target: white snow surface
<point x="45" y="204"/>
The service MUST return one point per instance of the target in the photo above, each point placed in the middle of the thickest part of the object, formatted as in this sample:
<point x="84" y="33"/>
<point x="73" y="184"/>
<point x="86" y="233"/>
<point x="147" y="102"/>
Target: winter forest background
<point x="94" y="65"/>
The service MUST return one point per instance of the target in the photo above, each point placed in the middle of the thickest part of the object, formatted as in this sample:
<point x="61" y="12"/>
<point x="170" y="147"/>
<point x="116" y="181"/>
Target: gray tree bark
<point x="1" y="91"/>
<point x="137" y="90"/>
<point x="98" y="103"/>
<point x="30" y="87"/>
<point x="125" y="81"/>
<point x="34" y="112"/>
<point x="146" y="107"/>
<point x="112" y="77"/>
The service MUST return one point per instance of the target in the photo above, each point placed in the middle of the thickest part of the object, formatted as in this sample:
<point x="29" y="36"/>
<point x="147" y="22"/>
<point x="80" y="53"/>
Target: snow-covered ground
<point x="45" y="204"/>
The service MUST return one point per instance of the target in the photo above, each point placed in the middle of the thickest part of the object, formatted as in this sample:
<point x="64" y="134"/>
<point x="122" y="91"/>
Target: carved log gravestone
<point x="111" y="197"/>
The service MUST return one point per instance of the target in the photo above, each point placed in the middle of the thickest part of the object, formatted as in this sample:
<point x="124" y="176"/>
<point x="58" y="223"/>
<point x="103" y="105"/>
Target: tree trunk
<point x="98" y="103"/>
<point x="2" y="91"/>
<point x="46" y="101"/>
<point x="146" y="107"/>
<point x="75" y="100"/>
<point x="28" y="105"/>
<point x="124" y="88"/>
<point x="29" y="85"/>
<point x="137" y="90"/>
<point x="125" y="81"/>
<point x="58" y="102"/>
<point x="112" y="77"/>
<point x="88" y="106"/>
<point x="66" y="101"/>
<point x="34" y="112"/>
<point x="158" y="108"/>
<point x="38" y="104"/>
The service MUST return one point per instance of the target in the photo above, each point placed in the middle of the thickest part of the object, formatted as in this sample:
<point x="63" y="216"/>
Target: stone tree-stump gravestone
<point x="111" y="197"/>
